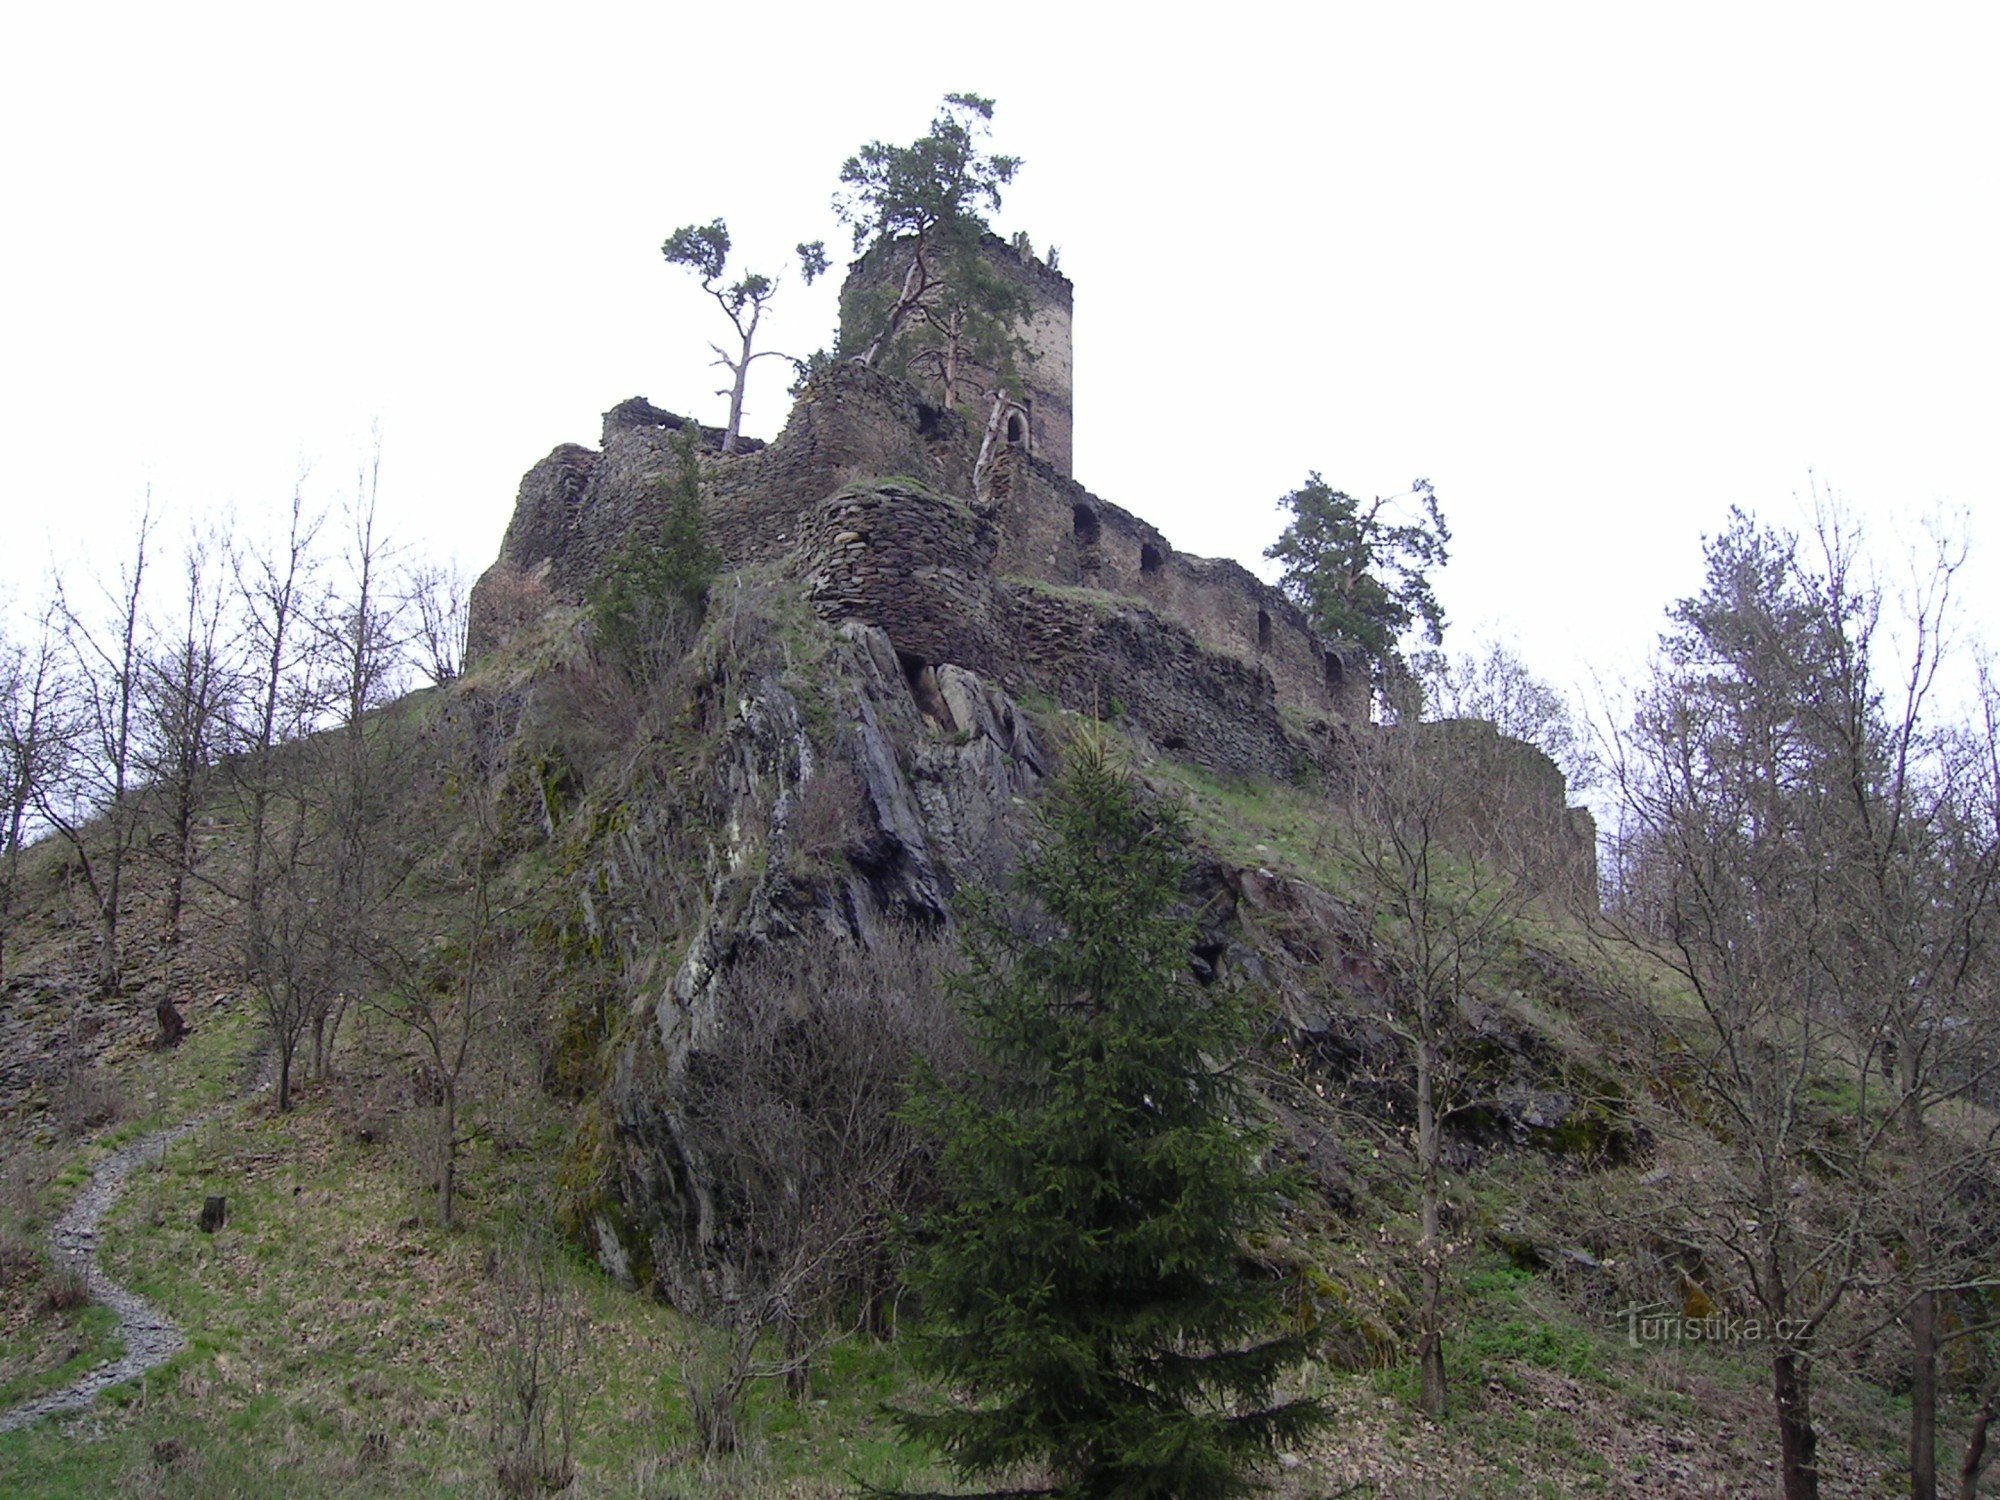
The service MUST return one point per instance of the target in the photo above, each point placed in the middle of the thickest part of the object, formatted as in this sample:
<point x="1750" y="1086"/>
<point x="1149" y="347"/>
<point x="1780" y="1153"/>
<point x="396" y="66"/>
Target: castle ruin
<point x="868" y="500"/>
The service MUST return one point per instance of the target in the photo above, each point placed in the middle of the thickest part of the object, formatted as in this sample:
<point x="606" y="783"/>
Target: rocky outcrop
<point x="920" y="793"/>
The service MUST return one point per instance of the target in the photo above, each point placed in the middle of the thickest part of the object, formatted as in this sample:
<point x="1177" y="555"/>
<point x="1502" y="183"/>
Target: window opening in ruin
<point x="1149" y="558"/>
<point x="1085" y="522"/>
<point x="1335" y="673"/>
<point x="922" y="678"/>
<point x="1015" y="432"/>
<point x="1263" y="630"/>
<point x="1207" y="961"/>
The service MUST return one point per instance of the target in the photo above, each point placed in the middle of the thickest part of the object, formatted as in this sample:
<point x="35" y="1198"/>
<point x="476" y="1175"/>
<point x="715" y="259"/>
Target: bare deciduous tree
<point x="1734" y="781"/>
<point x="187" y="683"/>
<point x="442" y="967"/>
<point x="1495" y="685"/>
<point x="790" y="1117"/>
<point x="539" y="1359"/>
<point x="284" y="948"/>
<point x="93" y="807"/>
<point x="1442" y="914"/>
<point x="31" y="751"/>
<point x="353" y="761"/>
<point x="438" y="595"/>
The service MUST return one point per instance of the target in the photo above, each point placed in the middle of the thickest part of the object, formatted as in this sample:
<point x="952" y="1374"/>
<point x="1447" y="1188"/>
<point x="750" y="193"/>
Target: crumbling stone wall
<point x="1128" y="663"/>
<point x="579" y="506"/>
<point x="1055" y="530"/>
<point x="916" y="564"/>
<point x="1515" y="808"/>
<point x="920" y="567"/>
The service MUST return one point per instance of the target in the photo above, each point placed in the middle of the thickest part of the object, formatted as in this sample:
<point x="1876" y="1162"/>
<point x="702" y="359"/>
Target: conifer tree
<point x="1085" y="1280"/>
<point x="1359" y="571"/>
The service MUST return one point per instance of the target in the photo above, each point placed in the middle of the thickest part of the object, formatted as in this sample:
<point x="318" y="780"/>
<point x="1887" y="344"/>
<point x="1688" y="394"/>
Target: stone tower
<point x="1040" y="418"/>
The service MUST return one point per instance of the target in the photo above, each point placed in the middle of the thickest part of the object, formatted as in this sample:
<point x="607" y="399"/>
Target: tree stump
<point x="172" y="1027"/>
<point x="214" y="1214"/>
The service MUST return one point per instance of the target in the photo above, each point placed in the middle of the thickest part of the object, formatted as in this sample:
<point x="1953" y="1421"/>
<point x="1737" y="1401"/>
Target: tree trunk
<point x="1975" y="1445"/>
<point x="983" y="465"/>
<point x="741" y="370"/>
<point x="1430" y="1249"/>
<point x="183" y="861"/>
<point x="1923" y="1308"/>
<point x="177" y="896"/>
<point x="285" y="1050"/>
<point x="915" y="283"/>
<point x="1923" y="1396"/>
<point x="1798" y="1443"/>
<point x="110" y="976"/>
<point x="949" y="362"/>
<point x="448" y="1166"/>
<point x="327" y="1036"/>
<point x="798" y="1361"/>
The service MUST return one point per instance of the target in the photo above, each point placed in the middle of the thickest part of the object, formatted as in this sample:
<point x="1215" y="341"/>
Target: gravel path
<point x="151" y="1337"/>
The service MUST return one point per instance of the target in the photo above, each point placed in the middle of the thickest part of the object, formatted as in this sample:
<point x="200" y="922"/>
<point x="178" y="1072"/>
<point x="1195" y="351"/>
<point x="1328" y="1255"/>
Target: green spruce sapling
<point x="1085" y="1280"/>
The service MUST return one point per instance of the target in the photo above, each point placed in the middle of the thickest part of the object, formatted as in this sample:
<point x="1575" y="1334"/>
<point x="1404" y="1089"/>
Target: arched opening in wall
<point x="1149" y="558"/>
<point x="1263" y="630"/>
<point x="1017" y="430"/>
<point x="922" y="679"/>
<point x="1336" y="674"/>
<point x="1083" y="520"/>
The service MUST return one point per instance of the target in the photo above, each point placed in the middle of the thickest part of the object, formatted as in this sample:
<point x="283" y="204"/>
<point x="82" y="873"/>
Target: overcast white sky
<point x="1597" y="272"/>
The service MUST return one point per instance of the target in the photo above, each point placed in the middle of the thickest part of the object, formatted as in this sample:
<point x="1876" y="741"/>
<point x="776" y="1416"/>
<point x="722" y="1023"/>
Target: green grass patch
<point x="55" y="1350"/>
<point x="341" y="1344"/>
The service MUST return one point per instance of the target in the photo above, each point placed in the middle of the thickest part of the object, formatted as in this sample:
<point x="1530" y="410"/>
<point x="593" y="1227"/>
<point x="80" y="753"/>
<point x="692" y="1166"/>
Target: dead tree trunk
<point x="982" y="468"/>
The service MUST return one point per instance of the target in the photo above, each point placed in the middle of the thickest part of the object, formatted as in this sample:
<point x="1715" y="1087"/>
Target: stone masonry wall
<point x="1055" y="530"/>
<point x="1513" y="806"/>
<point x="919" y="566"/>
<point x="1127" y="662"/>
<point x="914" y="563"/>
<point x="579" y="506"/>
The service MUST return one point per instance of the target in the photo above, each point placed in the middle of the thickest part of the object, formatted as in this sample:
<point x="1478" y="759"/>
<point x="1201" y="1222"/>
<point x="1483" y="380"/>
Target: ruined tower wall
<point x="1044" y="362"/>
